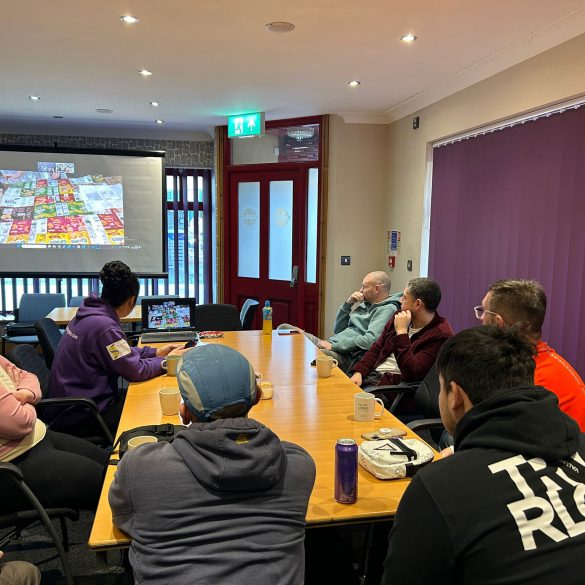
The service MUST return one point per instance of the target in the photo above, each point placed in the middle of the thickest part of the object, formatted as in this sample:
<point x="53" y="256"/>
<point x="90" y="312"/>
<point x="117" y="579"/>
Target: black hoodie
<point x="507" y="508"/>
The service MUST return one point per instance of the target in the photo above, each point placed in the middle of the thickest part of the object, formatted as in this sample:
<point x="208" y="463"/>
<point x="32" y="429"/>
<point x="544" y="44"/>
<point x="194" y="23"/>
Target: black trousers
<point x="62" y="471"/>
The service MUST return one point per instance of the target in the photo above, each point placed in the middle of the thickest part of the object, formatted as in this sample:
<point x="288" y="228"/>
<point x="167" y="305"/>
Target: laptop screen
<point x="168" y="314"/>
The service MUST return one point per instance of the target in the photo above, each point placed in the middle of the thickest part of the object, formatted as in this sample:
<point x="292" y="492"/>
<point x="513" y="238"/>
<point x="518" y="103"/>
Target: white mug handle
<point x="335" y="364"/>
<point x="381" y="403"/>
<point x="163" y="364"/>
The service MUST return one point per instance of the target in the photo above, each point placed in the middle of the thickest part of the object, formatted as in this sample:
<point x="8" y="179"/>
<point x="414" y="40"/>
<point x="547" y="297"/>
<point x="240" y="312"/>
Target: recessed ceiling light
<point x="155" y="104"/>
<point x="129" y="19"/>
<point x="145" y="72"/>
<point x="104" y="111"/>
<point x="408" y="38"/>
<point x="354" y="83"/>
<point x="279" y="27"/>
<point x="160" y="121"/>
<point x="34" y="98"/>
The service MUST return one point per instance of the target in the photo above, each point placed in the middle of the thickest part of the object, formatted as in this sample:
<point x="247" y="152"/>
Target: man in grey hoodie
<point x="226" y="501"/>
<point x="359" y="320"/>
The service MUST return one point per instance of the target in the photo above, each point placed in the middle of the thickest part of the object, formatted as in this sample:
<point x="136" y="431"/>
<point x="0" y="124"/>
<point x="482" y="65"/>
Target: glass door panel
<point x="281" y="230"/>
<point x="249" y="229"/>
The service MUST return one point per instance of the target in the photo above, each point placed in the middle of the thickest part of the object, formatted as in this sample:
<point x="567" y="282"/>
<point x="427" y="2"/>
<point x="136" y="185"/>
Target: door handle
<point x="294" y="277"/>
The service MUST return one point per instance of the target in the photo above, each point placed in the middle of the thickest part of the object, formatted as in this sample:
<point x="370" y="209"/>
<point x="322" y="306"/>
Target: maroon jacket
<point x="415" y="355"/>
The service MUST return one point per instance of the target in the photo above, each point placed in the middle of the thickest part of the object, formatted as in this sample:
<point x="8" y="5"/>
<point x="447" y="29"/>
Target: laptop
<point x="168" y="319"/>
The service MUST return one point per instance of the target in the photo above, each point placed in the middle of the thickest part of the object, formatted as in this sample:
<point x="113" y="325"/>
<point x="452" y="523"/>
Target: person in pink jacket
<point x="61" y="470"/>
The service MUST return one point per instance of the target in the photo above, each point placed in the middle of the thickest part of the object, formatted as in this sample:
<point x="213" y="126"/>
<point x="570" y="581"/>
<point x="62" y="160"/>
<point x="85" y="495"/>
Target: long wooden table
<point x="63" y="315"/>
<point x="310" y="411"/>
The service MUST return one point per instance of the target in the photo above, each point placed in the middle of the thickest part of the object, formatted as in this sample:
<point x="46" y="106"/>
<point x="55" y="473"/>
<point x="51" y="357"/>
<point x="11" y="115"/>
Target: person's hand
<point x="355" y="297"/>
<point x="446" y="452"/>
<point x="357" y="379"/>
<point x="1" y="554"/>
<point x="168" y="349"/>
<point x="324" y="345"/>
<point x="24" y="396"/>
<point x="180" y="351"/>
<point x="402" y="321"/>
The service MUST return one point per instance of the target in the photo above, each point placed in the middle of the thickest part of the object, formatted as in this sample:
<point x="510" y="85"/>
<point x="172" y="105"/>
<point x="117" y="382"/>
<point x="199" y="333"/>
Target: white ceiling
<point x="212" y="58"/>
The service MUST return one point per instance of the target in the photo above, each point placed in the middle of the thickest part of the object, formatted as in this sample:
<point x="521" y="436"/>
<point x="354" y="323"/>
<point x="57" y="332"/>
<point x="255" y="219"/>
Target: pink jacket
<point x="16" y="420"/>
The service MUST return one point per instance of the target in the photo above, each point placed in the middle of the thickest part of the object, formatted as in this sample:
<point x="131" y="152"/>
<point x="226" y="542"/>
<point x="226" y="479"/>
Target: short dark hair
<point x="119" y="283"/>
<point x="521" y="302"/>
<point x="486" y="361"/>
<point x="427" y="290"/>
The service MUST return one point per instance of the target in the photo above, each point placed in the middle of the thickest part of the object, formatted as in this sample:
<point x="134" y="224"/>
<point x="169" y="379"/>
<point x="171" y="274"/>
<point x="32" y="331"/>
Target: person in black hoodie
<point x="509" y="506"/>
<point x="225" y="502"/>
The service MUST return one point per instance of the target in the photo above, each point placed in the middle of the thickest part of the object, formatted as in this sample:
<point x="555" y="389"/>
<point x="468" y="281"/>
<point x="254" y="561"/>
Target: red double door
<point x="272" y="243"/>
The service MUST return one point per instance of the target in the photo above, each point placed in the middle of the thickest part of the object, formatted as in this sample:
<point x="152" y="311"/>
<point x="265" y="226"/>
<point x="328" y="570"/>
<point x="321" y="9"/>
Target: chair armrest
<point x="424" y="424"/>
<point x="19" y="329"/>
<point x="399" y="389"/>
<point x="78" y="401"/>
<point x="11" y="469"/>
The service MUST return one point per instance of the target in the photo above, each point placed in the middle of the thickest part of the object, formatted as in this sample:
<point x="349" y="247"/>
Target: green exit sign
<point x="246" y="125"/>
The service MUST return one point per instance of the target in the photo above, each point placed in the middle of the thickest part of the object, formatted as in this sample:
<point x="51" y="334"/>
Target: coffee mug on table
<point x="170" y="364"/>
<point x="170" y="399"/>
<point x="325" y="363"/>
<point x="365" y="406"/>
<point x="141" y="440"/>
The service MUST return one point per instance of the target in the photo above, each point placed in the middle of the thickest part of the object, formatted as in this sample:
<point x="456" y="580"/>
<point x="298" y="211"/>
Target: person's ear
<point x="186" y="415"/>
<point x="500" y="321"/>
<point x="458" y="400"/>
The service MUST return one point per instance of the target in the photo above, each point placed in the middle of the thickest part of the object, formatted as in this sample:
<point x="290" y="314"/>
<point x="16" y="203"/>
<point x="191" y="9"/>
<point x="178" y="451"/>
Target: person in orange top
<point x="523" y="302"/>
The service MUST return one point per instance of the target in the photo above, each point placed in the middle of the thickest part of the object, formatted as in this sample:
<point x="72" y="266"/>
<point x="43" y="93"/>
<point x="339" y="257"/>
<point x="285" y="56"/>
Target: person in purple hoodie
<point x="94" y="351"/>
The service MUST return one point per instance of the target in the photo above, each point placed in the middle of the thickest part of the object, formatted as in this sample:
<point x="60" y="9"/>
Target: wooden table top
<point x="62" y="315"/>
<point x="310" y="411"/>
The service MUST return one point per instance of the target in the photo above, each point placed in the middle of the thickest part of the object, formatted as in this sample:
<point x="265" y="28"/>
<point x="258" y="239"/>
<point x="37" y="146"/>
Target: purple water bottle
<point x="346" y="463"/>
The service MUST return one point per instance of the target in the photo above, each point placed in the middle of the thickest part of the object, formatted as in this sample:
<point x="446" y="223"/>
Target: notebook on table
<point x="165" y="320"/>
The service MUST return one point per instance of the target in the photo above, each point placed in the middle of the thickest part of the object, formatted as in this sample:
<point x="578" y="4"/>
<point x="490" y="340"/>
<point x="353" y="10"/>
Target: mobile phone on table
<point x="191" y="343"/>
<point x="384" y="433"/>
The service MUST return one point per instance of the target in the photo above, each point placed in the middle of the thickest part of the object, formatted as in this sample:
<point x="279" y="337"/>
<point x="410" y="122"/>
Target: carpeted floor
<point x="37" y="547"/>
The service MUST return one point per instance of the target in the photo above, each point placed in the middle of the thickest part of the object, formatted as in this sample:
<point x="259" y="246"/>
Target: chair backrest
<point x="33" y="306"/>
<point x="26" y="358"/>
<point x="247" y="313"/>
<point x="217" y="317"/>
<point x="76" y="301"/>
<point x="426" y="396"/>
<point x="49" y="336"/>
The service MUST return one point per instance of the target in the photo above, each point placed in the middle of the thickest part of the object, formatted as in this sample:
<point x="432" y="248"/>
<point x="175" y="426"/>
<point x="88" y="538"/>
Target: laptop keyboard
<point x="167" y="336"/>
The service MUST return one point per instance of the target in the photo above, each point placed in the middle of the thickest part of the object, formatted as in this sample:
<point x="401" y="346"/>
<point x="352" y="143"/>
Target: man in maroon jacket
<point x="410" y="341"/>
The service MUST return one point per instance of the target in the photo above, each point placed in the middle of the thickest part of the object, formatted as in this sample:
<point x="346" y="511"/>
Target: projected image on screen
<point x="168" y="315"/>
<point x="52" y="207"/>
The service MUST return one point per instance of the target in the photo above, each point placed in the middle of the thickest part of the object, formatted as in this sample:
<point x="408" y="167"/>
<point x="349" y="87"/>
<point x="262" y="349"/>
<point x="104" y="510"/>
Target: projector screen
<point x="68" y="212"/>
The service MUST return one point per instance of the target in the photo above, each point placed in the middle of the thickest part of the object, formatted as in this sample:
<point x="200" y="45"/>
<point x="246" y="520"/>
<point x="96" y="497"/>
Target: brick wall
<point x="179" y="153"/>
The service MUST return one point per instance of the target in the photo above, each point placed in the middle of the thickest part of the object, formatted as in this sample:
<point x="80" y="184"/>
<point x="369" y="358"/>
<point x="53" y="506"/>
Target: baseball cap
<point x="212" y="377"/>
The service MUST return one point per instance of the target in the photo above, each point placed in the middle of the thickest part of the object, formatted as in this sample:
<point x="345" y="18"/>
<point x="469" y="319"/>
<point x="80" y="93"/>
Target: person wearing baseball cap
<point x="226" y="501"/>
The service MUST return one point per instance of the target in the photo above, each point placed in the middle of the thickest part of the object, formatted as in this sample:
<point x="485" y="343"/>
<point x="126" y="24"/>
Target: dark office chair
<point x="26" y="358"/>
<point x="49" y="336"/>
<point x="247" y="313"/>
<point x="426" y="404"/>
<point x="18" y="520"/>
<point x="217" y="317"/>
<point x="76" y="301"/>
<point x="31" y="308"/>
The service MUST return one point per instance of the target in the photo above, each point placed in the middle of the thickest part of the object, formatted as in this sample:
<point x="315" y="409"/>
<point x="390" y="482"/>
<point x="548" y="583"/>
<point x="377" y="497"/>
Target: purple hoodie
<point x="94" y="352"/>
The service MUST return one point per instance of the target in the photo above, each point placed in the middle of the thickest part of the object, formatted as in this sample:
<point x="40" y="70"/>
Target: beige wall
<point x="355" y="226"/>
<point x="553" y="76"/>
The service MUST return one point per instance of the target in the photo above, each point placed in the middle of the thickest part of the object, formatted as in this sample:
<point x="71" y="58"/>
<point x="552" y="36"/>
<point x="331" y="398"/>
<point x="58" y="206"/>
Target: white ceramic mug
<point x="170" y="364"/>
<point x="141" y="440"/>
<point x="266" y="390"/>
<point x="364" y="405"/>
<point x="170" y="399"/>
<point x="325" y="363"/>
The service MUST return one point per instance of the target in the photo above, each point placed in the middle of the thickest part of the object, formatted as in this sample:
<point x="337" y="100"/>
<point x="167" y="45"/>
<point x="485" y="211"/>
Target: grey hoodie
<point x="225" y="503"/>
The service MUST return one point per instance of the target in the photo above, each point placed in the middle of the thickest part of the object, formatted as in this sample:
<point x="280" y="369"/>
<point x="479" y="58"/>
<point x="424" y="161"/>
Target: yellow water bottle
<point x="267" y="318"/>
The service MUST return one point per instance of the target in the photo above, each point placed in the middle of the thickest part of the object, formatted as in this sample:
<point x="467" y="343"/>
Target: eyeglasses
<point x="479" y="312"/>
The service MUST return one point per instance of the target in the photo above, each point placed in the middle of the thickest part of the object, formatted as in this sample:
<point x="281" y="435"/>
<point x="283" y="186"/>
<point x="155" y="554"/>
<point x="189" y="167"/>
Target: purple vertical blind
<point x="511" y="204"/>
